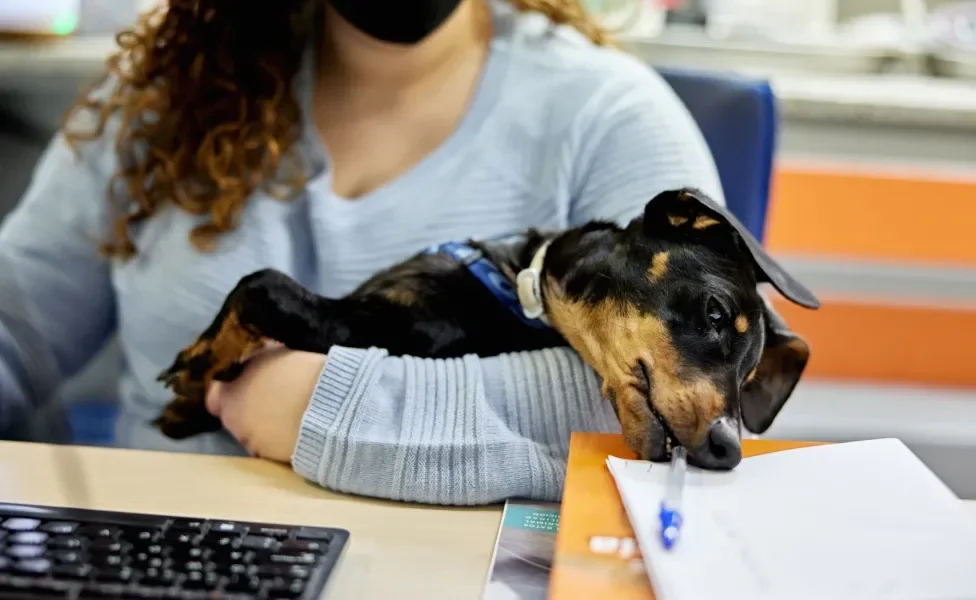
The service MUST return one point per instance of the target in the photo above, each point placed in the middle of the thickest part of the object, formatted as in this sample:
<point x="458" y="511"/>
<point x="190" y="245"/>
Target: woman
<point x="385" y="127"/>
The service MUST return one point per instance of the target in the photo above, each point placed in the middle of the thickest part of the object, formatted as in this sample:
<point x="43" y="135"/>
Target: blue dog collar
<point x="529" y="311"/>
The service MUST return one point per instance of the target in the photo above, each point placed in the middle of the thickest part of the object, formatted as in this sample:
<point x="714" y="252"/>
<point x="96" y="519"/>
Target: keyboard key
<point x="106" y="545"/>
<point x="317" y="547"/>
<point x="107" y="560"/>
<point x="145" y="593"/>
<point x="20" y="524"/>
<point x="229" y="528"/>
<point x="198" y="580"/>
<point x="283" y="571"/>
<point x="219" y="540"/>
<point x="28" y="538"/>
<point x="314" y="533"/>
<point x="4" y="563"/>
<point x="159" y="577"/>
<point x="190" y="553"/>
<point x="230" y="556"/>
<point x="243" y="584"/>
<point x="193" y="565"/>
<point x="113" y="574"/>
<point x="187" y="525"/>
<point x="140" y="537"/>
<point x="14" y="585"/>
<point x="180" y="538"/>
<point x="99" y="531"/>
<point x="254" y="542"/>
<point x="25" y="551"/>
<point x="275" y="531"/>
<point x="66" y="543"/>
<point x="99" y="591"/>
<point x="33" y="565"/>
<point x="59" y="527"/>
<point x="143" y="560"/>
<point x="52" y="587"/>
<point x="286" y="589"/>
<point x="231" y="569"/>
<point x="304" y="558"/>
<point x="71" y="571"/>
<point x="66" y="557"/>
<point x="33" y="588"/>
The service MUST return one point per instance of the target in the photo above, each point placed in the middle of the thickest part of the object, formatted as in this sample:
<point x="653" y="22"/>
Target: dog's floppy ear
<point x="688" y="214"/>
<point x="784" y="357"/>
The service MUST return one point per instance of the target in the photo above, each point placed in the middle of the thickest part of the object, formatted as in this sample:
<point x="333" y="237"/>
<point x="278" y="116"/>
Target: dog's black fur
<point x="666" y="310"/>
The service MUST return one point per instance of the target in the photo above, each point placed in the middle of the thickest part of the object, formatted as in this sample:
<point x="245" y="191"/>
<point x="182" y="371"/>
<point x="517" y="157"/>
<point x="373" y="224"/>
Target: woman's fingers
<point x="218" y="390"/>
<point x="214" y="396"/>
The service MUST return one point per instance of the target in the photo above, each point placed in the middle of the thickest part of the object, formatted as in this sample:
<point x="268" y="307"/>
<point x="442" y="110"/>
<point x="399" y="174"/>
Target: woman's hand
<point x="263" y="407"/>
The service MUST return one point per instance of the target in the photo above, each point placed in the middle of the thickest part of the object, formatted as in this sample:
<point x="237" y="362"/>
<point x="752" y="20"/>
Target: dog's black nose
<point x="722" y="448"/>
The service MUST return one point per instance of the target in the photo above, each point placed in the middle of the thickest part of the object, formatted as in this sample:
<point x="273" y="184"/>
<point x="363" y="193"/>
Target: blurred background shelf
<point x="688" y="45"/>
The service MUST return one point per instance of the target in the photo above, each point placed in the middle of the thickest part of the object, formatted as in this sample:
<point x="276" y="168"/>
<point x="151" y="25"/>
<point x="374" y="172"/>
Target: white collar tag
<point x="529" y="286"/>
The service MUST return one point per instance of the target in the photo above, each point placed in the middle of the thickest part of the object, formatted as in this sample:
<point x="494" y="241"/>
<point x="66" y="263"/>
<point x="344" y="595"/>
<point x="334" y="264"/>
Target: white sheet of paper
<point x="859" y="520"/>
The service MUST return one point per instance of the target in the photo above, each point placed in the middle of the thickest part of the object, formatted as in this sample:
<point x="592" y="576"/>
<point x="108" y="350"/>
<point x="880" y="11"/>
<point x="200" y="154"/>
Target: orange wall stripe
<point x="910" y="217"/>
<point x="887" y="343"/>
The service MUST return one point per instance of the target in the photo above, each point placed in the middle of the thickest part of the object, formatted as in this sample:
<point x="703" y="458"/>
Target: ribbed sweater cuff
<point x="334" y="395"/>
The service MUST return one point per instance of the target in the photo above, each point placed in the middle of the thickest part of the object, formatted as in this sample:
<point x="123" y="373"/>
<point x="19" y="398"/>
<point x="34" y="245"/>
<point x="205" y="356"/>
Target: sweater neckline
<point x="480" y="106"/>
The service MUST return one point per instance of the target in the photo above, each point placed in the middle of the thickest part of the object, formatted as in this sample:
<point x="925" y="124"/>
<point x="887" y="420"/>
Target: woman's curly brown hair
<point x="202" y="97"/>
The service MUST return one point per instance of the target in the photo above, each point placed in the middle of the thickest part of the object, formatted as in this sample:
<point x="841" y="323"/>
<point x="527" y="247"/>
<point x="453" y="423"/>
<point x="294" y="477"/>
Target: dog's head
<point x="668" y="313"/>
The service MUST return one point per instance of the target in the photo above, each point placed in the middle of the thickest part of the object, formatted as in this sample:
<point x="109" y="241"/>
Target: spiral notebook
<point x="859" y="520"/>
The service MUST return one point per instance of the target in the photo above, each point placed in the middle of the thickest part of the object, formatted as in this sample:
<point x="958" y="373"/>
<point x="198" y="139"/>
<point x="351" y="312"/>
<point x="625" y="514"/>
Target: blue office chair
<point x="738" y="118"/>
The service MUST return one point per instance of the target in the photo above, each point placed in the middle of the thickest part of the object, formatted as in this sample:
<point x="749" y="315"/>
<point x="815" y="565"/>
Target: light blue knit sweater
<point x="559" y="132"/>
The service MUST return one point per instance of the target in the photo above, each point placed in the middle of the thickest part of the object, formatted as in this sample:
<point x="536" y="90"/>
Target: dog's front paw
<point x="189" y="377"/>
<point x="218" y="356"/>
<point x="189" y="369"/>
<point x="183" y="418"/>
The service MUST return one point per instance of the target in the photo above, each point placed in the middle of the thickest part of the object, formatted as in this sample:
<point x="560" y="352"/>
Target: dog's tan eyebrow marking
<point x="659" y="266"/>
<point x="704" y="222"/>
<point x="751" y="375"/>
<point x="741" y="323"/>
<point x="677" y="220"/>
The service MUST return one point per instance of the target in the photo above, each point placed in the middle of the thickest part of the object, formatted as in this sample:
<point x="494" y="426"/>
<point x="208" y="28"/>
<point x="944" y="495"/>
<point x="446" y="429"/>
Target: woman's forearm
<point x="461" y="431"/>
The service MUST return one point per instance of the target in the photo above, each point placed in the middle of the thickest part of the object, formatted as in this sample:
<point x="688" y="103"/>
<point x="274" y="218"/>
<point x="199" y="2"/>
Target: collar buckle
<point x="529" y="286"/>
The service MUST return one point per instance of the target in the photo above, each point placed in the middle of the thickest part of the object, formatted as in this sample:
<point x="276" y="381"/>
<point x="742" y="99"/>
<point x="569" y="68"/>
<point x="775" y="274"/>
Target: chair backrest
<point x="737" y="116"/>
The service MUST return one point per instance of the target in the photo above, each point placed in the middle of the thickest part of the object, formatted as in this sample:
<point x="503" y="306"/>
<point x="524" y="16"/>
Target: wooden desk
<point x="396" y="551"/>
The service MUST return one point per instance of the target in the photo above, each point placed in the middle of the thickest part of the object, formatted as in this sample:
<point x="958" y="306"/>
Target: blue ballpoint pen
<point x="670" y="515"/>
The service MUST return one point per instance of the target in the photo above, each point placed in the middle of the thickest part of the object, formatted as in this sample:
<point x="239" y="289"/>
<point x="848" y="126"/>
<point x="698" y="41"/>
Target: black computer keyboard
<point x="49" y="552"/>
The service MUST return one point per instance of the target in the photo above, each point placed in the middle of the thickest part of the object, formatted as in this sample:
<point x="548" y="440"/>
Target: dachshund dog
<point x="666" y="310"/>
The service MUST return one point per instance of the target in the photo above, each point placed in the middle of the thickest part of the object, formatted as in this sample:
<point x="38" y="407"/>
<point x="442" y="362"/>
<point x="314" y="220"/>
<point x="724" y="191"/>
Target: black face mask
<point x="397" y="21"/>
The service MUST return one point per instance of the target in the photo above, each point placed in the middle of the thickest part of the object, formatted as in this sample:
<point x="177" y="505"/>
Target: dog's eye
<point x="717" y="315"/>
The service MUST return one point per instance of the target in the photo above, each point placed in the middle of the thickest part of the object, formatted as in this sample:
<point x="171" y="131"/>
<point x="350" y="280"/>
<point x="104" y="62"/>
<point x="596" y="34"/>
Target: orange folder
<point x="596" y="553"/>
